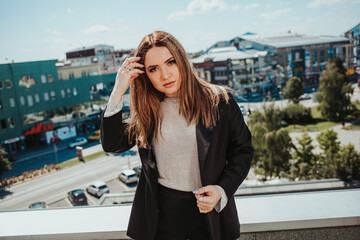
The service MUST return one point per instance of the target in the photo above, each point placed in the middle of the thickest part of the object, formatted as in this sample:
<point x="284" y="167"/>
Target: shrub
<point x="296" y="114"/>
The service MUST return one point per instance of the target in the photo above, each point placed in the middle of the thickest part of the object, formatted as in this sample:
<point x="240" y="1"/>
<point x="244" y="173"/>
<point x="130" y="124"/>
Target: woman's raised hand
<point x="128" y="71"/>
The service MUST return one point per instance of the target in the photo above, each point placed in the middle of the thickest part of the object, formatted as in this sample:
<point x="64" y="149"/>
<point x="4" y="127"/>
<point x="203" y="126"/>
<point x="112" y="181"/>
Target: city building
<point x="87" y="61"/>
<point x="251" y="73"/>
<point x="28" y="89"/>
<point x="295" y="54"/>
<point x="354" y="35"/>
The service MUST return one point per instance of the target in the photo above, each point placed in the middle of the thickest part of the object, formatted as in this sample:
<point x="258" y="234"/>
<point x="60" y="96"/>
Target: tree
<point x="5" y="164"/>
<point x="272" y="145"/>
<point x="303" y="153"/>
<point x="334" y="91"/>
<point x="293" y="89"/>
<point x="330" y="145"/>
<point x="347" y="165"/>
<point x="305" y="166"/>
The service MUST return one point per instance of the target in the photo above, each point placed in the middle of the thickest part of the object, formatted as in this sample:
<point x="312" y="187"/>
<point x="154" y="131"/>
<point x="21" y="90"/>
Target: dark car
<point x="77" y="197"/>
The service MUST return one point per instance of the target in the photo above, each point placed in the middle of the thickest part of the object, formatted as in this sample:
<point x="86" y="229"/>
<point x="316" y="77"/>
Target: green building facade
<point x="29" y="88"/>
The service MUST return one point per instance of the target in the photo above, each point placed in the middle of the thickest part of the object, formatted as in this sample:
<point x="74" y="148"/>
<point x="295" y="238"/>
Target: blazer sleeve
<point x="239" y="152"/>
<point x="113" y="134"/>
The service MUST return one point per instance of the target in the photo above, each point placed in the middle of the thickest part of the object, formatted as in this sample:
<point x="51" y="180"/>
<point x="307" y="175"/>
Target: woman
<point x="191" y="136"/>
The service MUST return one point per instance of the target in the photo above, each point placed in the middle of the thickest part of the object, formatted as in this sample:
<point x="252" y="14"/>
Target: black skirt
<point x="179" y="217"/>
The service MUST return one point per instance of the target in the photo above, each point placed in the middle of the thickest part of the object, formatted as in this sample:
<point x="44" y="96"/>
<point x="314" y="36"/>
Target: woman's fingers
<point x="128" y="62"/>
<point x="207" y="198"/>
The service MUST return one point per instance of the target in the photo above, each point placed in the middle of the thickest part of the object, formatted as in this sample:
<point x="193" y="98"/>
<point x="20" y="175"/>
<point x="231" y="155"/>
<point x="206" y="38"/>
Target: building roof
<point x="292" y="39"/>
<point x="90" y="47"/>
<point x="222" y="54"/>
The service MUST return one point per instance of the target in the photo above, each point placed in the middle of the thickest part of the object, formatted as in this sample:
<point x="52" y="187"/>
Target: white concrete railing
<point x="259" y="213"/>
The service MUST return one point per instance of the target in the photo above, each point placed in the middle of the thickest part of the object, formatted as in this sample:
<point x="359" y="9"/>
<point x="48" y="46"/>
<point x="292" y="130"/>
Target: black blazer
<point x="225" y="153"/>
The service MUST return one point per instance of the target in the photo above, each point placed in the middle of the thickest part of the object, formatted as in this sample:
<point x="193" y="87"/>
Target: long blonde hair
<point x="198" y="98"/>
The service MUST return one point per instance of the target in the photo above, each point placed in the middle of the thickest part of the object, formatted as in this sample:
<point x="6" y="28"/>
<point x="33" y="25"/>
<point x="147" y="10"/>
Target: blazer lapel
<point x="203" y="139"/>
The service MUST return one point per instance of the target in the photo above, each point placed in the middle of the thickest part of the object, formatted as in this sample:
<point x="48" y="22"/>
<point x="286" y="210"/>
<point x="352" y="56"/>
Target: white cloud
<point x="69" y="11"/>
<point x="96" y="29"/>
<point x="198" y="6"/>
<point x="253" y="5"/>
<point x="235" y="7"/>
<point x="275" y="14"/>
<point x="320" y="3"/>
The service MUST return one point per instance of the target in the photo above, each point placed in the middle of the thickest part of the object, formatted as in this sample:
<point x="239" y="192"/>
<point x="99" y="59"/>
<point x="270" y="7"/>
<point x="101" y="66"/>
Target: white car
<point x="78" y="142"/>
<point x="98" y="188"/>
<point x="128" y="176"/>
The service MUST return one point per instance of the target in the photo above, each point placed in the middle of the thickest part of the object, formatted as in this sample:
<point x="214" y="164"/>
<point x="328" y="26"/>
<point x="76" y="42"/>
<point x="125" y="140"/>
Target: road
<point x="54" y="186"/>
<point x="45" y="156"/>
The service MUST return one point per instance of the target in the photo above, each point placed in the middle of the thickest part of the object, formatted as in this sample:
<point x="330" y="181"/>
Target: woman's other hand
<point x="207" y="197"/>
<point x="128" y="71"/>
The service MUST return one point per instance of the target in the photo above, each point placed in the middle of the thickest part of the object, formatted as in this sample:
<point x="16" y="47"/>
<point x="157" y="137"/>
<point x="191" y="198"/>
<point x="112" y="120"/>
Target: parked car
<point x="137" y="170"/>
<point x="128" y="176"/>
<point x="77" y="197"/>
<point x="78" y="142"/>
<point x="98" y="188"/>
<point x="305" y="96"/>
<point x="37" y="205"/>
<point x="95" y="136"/>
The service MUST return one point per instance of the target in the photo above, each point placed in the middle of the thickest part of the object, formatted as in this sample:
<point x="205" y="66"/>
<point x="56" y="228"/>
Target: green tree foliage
<point x="304" y="167"/>
<point x="347" y="164"/>
<point x="270" y="117"/>
<point x="278" y="145"/>
<point x="293" y="89"/>
<point x="5" y="164"/>
<point x="334" y="91"/>
<point x="272" y="145"/>
<point x="330" y="145"/>
<point x="296" y="114"/>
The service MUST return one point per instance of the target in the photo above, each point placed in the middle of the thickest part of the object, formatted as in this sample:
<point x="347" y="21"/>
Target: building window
<point x="1" y="84"/>
<point x="68" y="92"/>
<point x="43" y="78"/>
<point x="53" y="95"/>
<point x="8" y="83"/>
<point x="83" y="73"/>
<point x="46" y="96"/>
<point x="37" y="98"/>
<point x="11" y="122"/>
<point x="12" y="102"/>
<point x="30" y="100"/>
<point x="71" y="75"/>
<point x="50" y="78"/>
<point x="62" y="93"/>
<point x="22" y="101"/>
<point x="75" y="93"/>
<point x="60" y="76"/>
<point x="96" y="71"/>
<point x="3" y="123"/>
<point x="27" y="81"/>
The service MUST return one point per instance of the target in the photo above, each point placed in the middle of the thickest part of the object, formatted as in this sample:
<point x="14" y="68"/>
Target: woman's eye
<point x="171" y="62"/>
<point x="152" y="69"/>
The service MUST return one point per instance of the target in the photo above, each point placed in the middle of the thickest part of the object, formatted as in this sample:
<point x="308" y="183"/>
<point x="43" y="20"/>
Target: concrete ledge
<point x="258" y="214"/>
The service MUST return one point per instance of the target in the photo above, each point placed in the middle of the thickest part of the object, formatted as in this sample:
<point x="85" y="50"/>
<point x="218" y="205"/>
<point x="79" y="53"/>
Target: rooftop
<point x="222" y="54"/>
<point x="292" y="39"/>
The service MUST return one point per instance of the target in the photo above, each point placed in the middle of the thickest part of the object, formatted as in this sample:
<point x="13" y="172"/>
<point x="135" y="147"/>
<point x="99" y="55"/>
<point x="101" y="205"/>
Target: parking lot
<point x="115" y="186"/>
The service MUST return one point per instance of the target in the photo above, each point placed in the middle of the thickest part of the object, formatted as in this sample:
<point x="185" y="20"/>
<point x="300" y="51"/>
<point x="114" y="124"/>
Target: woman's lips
<point x="170" y="84"/>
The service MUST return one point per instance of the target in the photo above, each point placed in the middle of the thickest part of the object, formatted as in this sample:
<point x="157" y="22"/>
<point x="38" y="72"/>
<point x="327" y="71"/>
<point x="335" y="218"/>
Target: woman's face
<point x="162" y="70"/>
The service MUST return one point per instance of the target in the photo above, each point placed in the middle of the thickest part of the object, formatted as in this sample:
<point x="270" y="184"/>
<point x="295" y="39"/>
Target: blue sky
<point x="43" y="29"/>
